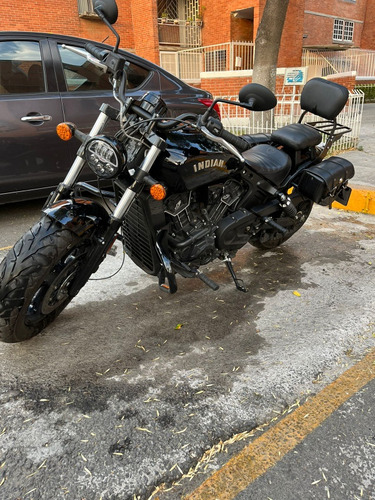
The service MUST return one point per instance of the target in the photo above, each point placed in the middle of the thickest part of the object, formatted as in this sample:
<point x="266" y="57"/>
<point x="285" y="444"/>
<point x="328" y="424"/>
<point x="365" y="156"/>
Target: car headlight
<point x="105" y="157"/>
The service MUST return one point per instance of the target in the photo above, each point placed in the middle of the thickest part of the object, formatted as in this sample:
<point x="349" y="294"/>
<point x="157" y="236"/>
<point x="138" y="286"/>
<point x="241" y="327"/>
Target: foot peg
<point x="207" y="281"/>
<point x="275" y="225"/>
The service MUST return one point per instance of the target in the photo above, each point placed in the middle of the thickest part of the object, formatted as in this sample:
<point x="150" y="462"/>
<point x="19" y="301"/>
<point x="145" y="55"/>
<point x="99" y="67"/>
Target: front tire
<point x="35" y="278"/>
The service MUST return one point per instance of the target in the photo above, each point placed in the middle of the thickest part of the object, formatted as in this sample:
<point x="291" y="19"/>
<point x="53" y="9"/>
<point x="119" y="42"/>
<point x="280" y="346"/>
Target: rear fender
<point x="79" y="215"/>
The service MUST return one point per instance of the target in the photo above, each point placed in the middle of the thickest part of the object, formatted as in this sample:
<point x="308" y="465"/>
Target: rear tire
<point x="35" y="278"/>
<point x="270" y="238"/>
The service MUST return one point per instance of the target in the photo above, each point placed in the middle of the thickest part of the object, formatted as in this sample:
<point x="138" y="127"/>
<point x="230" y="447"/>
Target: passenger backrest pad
<point x="324" y="98"/>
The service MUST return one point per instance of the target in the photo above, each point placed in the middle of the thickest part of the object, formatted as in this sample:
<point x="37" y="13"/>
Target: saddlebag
<point x="327" y="182"/>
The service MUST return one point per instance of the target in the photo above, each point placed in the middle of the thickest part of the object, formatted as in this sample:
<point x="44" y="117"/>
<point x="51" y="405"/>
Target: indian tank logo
<point x="203" y="165"/>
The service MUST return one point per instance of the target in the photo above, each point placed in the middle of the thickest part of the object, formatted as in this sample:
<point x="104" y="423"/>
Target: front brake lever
<point x="87" y="56"/>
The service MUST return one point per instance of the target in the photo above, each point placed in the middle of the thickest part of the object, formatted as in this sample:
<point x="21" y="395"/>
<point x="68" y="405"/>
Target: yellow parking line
<point x="361" y="200"/>
<point x="5" y="248"/>
<point x="269" y="448"/>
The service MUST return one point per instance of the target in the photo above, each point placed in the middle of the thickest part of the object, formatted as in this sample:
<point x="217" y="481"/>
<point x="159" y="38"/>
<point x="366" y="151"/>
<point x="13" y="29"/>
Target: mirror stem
<point x="103" y="18"/>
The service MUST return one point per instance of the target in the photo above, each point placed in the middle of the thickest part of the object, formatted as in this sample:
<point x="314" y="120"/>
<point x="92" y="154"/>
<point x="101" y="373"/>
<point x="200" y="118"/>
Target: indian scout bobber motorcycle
<point x="185" y="192"/>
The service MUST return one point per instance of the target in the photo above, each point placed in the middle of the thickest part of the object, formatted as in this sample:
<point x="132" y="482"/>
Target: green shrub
<point x="369" y="91"/>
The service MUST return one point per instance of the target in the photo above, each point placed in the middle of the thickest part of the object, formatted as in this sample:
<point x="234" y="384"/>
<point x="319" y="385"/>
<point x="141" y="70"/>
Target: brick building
<point x="152" y="25"/>
<point x="159" y="29"/>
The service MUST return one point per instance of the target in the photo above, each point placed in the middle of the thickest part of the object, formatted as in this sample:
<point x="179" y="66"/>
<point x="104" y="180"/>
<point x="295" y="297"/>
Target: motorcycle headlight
<point x="105" y="157"/>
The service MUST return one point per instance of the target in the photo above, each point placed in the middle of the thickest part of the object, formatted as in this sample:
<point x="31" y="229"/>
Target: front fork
<point x="64" y="188"/>
<point x="106" y="238"/>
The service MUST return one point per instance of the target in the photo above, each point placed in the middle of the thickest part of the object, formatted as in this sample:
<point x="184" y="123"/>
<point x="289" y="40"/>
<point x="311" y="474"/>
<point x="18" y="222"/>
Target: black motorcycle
<point x="185" y="192"/>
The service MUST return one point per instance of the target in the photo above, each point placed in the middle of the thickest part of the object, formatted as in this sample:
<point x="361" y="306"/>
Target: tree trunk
<point x="267" y="42"/>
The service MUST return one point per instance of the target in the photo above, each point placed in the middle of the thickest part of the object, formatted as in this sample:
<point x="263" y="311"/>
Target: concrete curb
<point x="361" y="200"/>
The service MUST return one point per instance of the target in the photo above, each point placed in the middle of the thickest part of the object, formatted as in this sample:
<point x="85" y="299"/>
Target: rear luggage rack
<point x="333" y="130"/>
<point x="330" y="127"/>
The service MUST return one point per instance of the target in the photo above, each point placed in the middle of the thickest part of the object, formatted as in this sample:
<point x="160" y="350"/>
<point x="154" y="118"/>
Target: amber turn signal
<point x="65" y="131"/>
<point x="158" y="192"/>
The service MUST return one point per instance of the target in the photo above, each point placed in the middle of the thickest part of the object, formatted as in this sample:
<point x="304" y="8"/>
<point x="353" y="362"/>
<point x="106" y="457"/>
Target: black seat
<point x="297" y="136"/>
<point x="269" y="162"/>
<point x="320" y="97"/>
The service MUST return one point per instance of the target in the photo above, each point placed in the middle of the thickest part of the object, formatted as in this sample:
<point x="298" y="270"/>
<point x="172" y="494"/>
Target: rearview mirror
<point x="107" y="9"/>
<point x="257" y="97"/>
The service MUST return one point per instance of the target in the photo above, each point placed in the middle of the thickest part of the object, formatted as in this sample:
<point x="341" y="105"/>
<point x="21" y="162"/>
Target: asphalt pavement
<point x="131" y="394"/>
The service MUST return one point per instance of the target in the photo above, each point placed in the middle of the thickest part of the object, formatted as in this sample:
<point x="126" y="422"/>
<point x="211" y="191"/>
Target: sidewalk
<point x="363" y="159"/>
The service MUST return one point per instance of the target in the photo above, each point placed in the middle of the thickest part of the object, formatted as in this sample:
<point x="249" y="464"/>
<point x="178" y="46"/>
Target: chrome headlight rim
<point x="105" y="156"/>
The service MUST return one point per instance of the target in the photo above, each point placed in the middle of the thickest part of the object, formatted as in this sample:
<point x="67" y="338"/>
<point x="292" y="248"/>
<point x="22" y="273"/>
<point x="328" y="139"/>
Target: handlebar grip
<point x="95" y="51"/>
<point x="236" y="141"/>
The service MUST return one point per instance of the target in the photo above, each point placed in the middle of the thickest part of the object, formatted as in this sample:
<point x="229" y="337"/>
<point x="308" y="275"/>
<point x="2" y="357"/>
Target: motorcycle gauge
<point x="105" y="157"/>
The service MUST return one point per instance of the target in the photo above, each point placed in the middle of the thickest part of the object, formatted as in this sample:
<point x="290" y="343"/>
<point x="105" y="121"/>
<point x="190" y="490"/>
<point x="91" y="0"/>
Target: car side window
<point x="81" y="75"/>
<point x="21" y="68"/>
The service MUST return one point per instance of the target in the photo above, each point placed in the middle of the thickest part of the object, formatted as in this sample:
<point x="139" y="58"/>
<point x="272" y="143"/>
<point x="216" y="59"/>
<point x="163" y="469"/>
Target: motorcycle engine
<point x="194" y="216"/>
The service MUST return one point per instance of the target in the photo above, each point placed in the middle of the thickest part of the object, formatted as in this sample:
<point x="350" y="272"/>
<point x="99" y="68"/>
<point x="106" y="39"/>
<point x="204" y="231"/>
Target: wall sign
<point x="295" y="76"/>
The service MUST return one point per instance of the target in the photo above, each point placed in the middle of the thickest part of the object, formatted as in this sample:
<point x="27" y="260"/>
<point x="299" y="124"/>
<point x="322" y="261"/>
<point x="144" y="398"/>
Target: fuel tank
<point x="191" y="160"/>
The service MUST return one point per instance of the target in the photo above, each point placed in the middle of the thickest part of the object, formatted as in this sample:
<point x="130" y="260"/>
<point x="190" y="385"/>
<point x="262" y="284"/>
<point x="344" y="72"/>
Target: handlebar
<point x="236" y="141"/>
<point x="98" y="53"/>
<point x="172" y="123"/>
<point x="216" y="127"/>
<point x="112" y="64"/>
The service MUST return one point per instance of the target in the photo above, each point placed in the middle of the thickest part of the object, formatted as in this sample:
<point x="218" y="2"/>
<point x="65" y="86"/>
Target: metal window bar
<point x="240" y="121"/>
<point x="338" y="30"/>
<point x="348" y="31"/>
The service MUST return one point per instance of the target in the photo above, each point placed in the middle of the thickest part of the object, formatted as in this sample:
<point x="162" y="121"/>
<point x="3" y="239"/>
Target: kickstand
<point x="238" y="282"/>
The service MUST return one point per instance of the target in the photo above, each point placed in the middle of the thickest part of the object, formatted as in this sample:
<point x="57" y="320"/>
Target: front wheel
<point x="35" y="278"/>
<point x="270" y="238"/>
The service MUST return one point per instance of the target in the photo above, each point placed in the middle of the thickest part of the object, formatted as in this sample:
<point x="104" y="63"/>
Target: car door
<point x="84" y="87"/>
<point x="32" y="156"/>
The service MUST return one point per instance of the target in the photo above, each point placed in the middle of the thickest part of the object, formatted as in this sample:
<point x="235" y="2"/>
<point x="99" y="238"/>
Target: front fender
<point x="79" y="215"/>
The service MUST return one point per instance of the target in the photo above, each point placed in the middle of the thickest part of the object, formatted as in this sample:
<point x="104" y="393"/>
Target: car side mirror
<point x="107" y="9"/>
<point x="257" y="97"/>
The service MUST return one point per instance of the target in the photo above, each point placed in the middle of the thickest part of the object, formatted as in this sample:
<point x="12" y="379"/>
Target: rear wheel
<point x="35" y="278"/>
<point x="270" y="238"/>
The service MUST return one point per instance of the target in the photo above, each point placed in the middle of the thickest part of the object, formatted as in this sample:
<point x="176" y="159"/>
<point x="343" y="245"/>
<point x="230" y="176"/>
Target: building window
<point x="343" y="30"/>
<point x="86" y="8"/>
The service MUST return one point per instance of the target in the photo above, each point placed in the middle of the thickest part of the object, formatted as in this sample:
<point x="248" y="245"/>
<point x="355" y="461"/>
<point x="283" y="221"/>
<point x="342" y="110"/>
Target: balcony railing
<point x="340" y="61"/>
<point x="189" y="63"/>
<point x="179" y="32"/>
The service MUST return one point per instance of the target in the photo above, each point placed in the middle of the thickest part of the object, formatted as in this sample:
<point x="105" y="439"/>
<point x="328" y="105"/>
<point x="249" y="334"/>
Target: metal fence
<point x="189" y="63"/>
<point x="340" y="61"/>
<point x="241" y="121"/>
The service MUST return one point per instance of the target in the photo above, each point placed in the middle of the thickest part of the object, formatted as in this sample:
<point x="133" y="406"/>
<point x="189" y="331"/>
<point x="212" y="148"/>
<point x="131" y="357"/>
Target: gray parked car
<point x="43" y="84"/>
